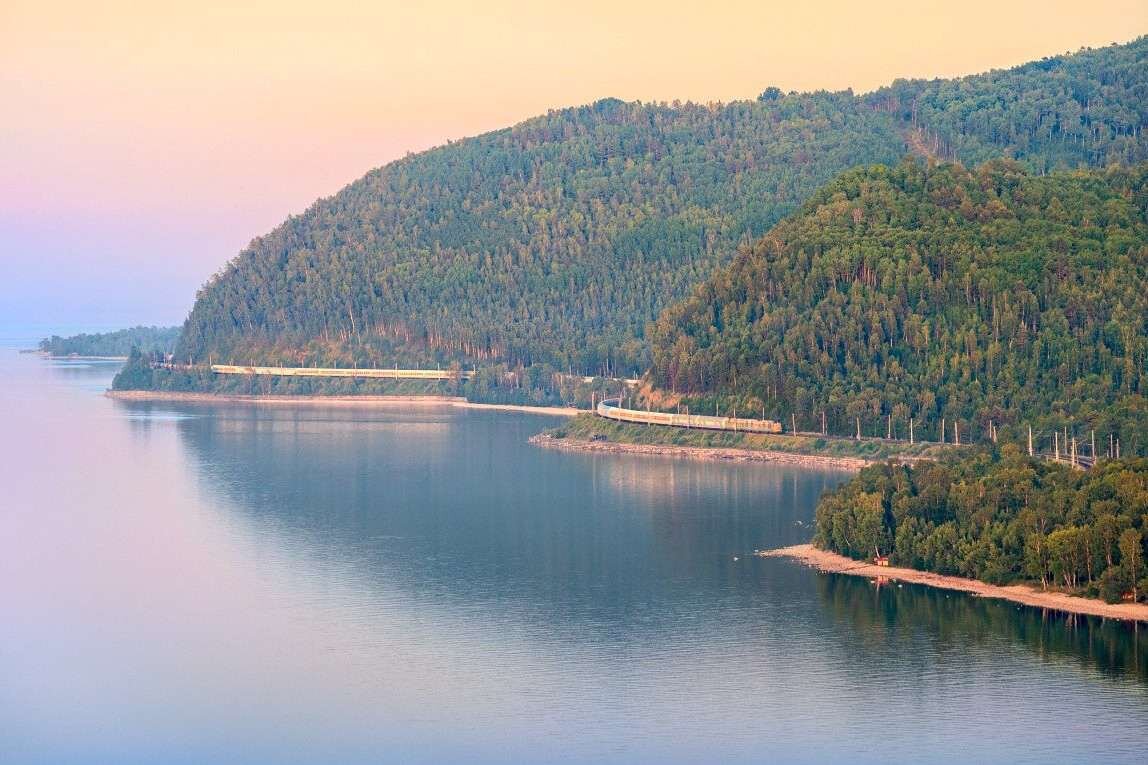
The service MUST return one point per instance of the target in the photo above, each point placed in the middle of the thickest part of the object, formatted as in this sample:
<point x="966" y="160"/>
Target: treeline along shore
<point x="832" y="563"/>
<point x="111" y="345"/>
<point x="588" y="432"/>
<point x="1001" y="518"/>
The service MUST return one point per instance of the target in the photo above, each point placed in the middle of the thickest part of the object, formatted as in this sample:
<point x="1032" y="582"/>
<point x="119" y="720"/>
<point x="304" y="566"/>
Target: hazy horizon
<point x="146" y="147"/>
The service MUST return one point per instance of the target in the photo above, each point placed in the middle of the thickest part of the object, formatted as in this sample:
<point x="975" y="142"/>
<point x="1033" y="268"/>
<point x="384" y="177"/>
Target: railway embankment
<point x="590" y="433"/>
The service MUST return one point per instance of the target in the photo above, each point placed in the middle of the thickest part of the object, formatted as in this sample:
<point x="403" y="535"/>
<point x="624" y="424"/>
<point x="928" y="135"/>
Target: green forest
<point x="1000" y="518"/>
<point x="557" y="240"/>
<point x="987" y="300"/>
<point x="117" y="343"/>
<point x="1063" y="111"/>
<point x="553" y="241"/>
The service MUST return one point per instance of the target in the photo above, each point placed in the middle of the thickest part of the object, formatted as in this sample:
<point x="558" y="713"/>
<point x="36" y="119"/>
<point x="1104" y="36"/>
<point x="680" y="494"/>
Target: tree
<point x="1132" y="558"/>
<point x="1037" y="558"/>
<point x="1067" y="551"/>
<point x="136" y="373"/>
<point x="872" y="533"/>
<point x="1108" y="528"/>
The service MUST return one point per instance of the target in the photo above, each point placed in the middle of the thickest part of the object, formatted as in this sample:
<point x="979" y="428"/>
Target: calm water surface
<point x="231" y="584"/>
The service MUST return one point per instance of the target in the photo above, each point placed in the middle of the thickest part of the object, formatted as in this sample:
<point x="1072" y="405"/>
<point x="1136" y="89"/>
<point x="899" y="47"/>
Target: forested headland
<point x="118" y="343"/>
<point x="542" y="252"/>
<point x="982" y="301"/>
<point x="557" y="240"/>
<point x="1000" y="518"/>
<point x="554" y="241"/>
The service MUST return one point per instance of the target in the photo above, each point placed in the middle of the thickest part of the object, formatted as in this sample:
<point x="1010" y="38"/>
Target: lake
<point x="190" y="584"/>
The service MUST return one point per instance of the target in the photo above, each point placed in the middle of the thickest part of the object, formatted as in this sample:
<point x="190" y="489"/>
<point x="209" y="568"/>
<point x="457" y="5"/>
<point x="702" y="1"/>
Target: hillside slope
<point x="1060" y="112"/>
<point x="554" y="240"/>
<point x="557" y="240"/>
<point x="977" y="296"/>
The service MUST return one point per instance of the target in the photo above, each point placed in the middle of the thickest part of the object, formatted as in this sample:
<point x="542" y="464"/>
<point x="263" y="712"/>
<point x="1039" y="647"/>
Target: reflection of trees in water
<point x="461" y="506"/>
<point x="712" y="508"/>
<point x="459" y="511"/>
<point x="889" y="618"/>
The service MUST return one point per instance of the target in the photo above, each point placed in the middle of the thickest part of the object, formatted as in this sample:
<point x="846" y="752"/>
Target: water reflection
<point x="458" y="508"/>
<point x="891" y="617"/>
<point x="200" y="583"/>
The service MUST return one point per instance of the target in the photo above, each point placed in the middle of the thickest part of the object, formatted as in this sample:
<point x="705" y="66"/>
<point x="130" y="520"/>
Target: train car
<point x="387" y="374"/>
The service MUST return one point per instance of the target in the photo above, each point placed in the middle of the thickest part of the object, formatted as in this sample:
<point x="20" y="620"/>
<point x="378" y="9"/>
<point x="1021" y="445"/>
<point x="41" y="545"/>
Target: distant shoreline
<point x="832" y="563"/>
<point x="366" y="402"/>
<point x="709" y="453"/>
<point x="71" y="356"/>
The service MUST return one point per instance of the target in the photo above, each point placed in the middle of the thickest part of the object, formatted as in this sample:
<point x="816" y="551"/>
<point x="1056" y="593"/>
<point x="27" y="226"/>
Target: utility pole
<point x="858" y="428"/>
<point x="889" y="427"/>
<point x="956" y="432"/>
<point x="1072" y="459"/>
<point x="1030" y="440"/>
<point x="910" y="430"/>
<point x="793" y="420"/>
<point x="822" y="422"/>
<point x="1093" y="450"/>
<point x="942" y="430"/>
<point x="1056" y="445"/>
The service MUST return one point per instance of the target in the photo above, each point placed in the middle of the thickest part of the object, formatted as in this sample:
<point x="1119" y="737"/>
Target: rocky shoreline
<point x="722" y="454"/>
<point x="832" y="563"/>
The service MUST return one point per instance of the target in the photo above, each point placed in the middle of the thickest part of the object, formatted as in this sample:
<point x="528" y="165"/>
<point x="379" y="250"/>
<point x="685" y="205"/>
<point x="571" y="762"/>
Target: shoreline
<point x="71" y="356"/>
<point x="706" y="453"/>
<point x="832" y="563"/>
<point x="556" y="411"/>
<point x="339" y="401"/>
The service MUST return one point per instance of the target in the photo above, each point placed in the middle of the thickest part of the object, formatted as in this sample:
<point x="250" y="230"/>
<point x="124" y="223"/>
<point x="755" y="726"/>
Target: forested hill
<point x="558" y="239"/>
<point x="555" y="240"/>
<point x="932" y="292"/>
<point x="1065" y="111"/>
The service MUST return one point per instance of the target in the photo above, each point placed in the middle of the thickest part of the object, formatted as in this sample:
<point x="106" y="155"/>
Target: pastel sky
<point x="143" y="144"/>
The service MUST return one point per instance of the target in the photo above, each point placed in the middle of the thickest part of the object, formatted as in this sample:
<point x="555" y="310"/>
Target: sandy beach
<point x="338" y="401"/>
<point x="833" y="563"/>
